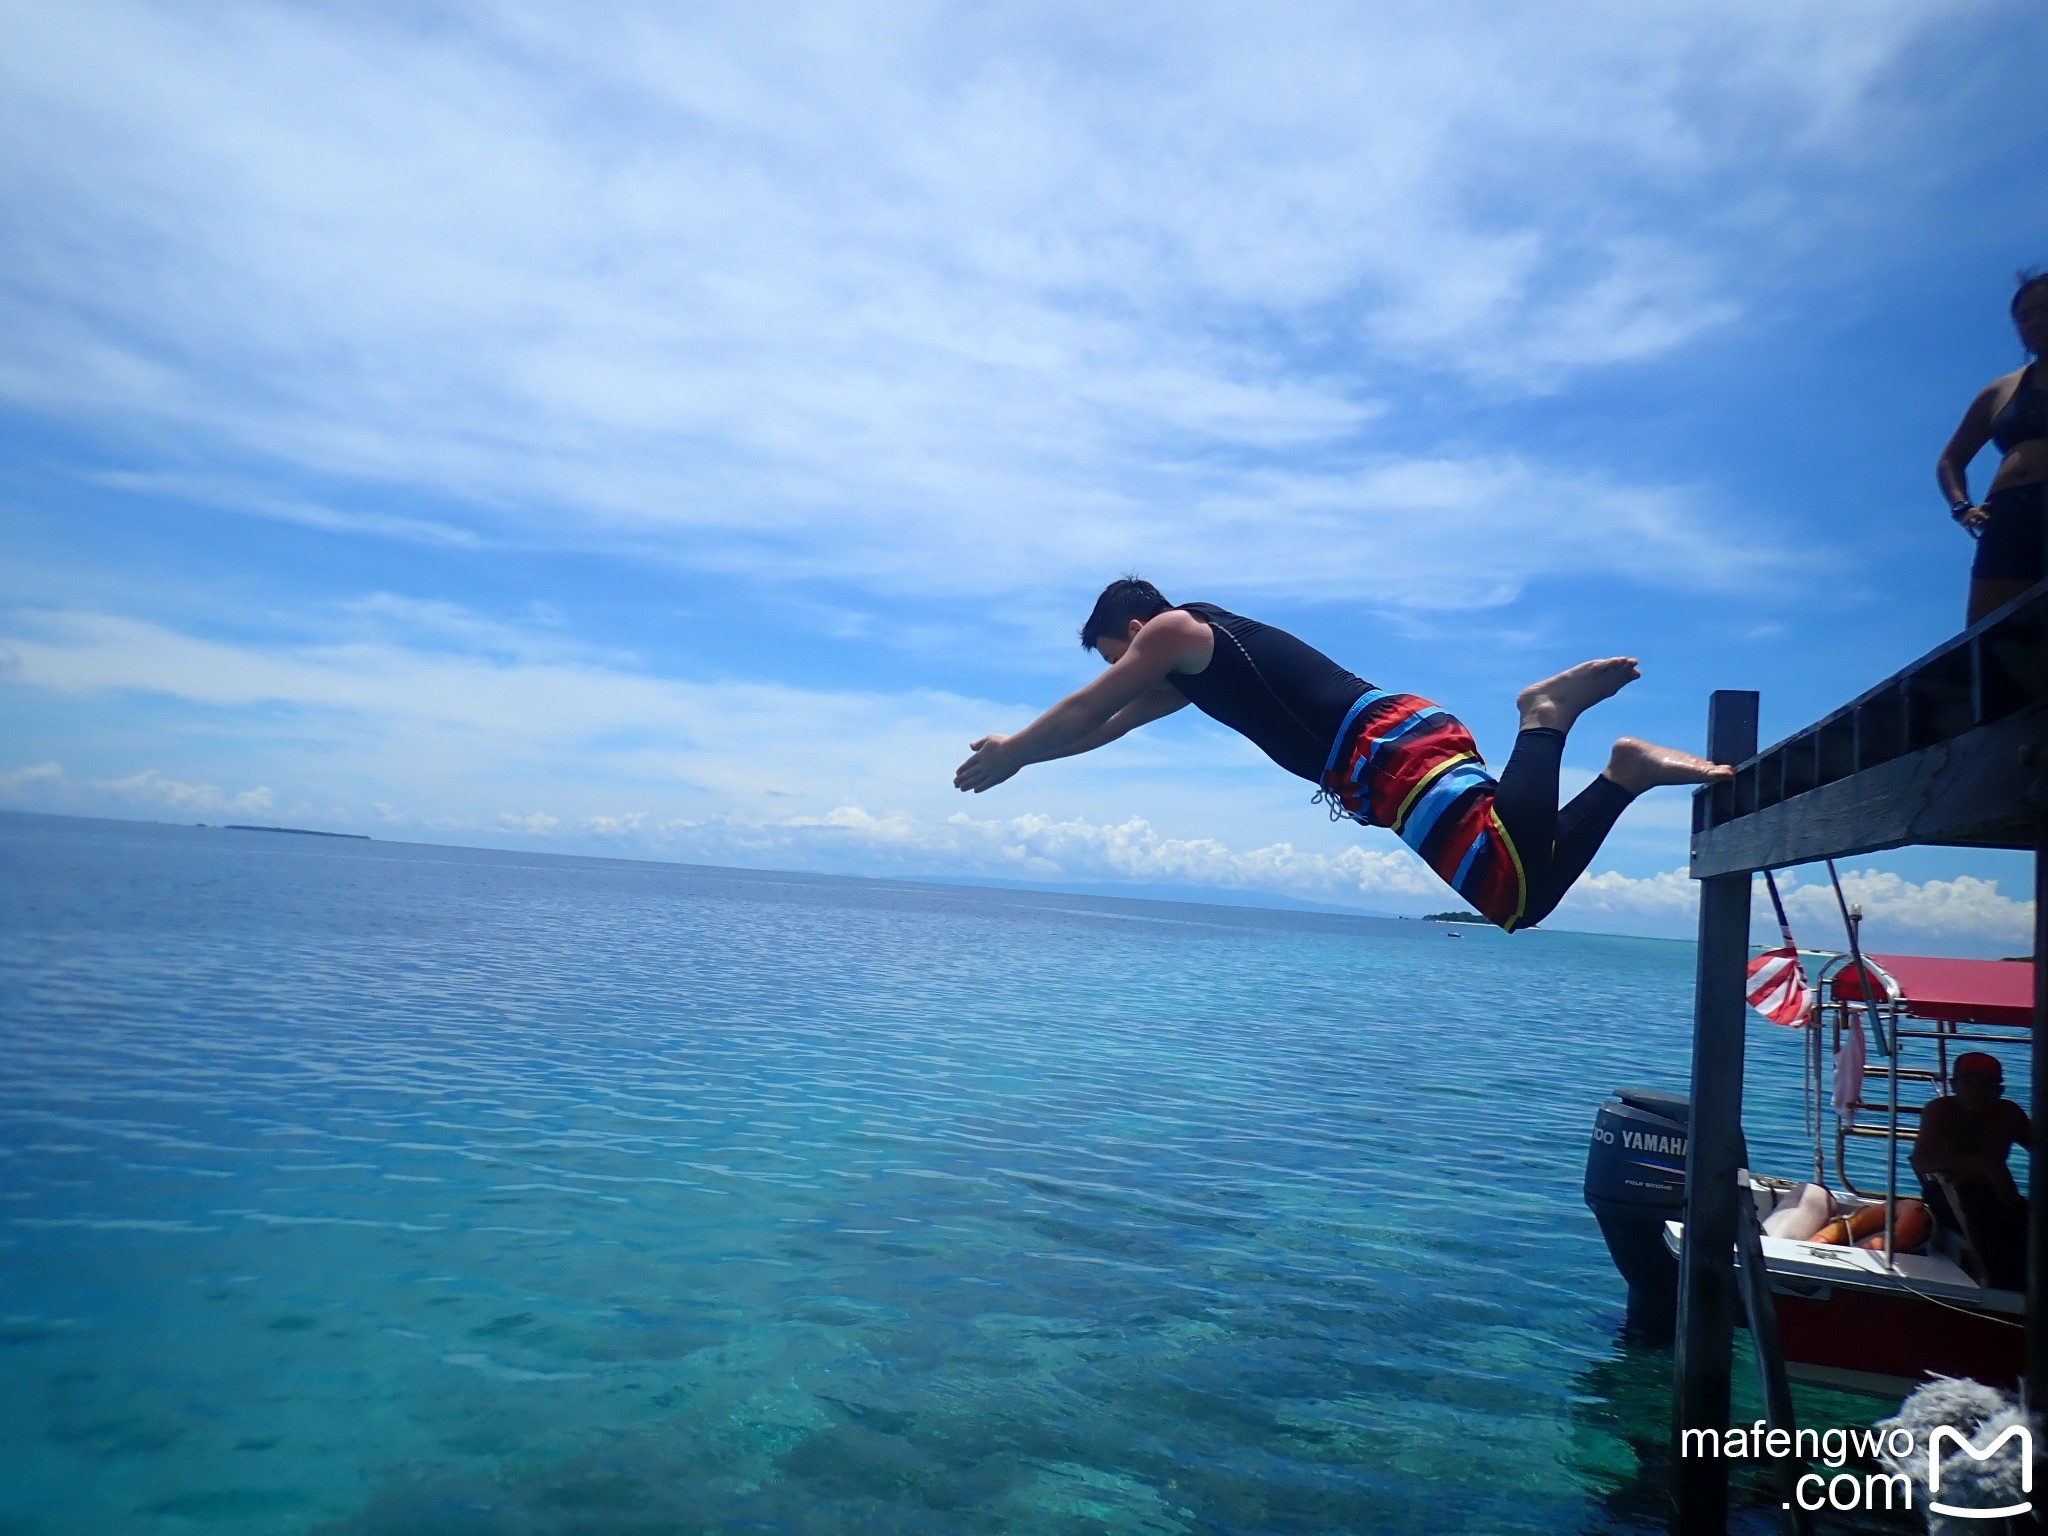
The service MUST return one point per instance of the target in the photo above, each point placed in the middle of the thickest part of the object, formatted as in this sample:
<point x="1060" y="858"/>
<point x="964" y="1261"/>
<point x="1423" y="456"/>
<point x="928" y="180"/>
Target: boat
<point x="1878" y="1319"/>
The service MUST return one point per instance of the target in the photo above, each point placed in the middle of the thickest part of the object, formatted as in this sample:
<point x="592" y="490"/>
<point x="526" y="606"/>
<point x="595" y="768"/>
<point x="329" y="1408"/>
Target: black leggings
<point x="1555" y="845"/>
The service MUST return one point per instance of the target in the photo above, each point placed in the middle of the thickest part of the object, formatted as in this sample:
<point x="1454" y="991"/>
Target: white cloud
<point x="428" y="707"/>
<point x="851" y="839"/>
<point x="47" y="786"/>
<point x="1043" y="848"/>
<point x="905" y="296"/>
<point x="153" y="788"/>
<point x="1963" y="907"/>
<point x="430" y="695"/>
<point x="1897" y="911"/>
<point x="443" y="712"/>
<point x="36" y="776"/>
<point x="224" y="493"/>
<point x="532" y="824"/>
<point x="1965" y="912"/>
<point x="1668" y="895"/>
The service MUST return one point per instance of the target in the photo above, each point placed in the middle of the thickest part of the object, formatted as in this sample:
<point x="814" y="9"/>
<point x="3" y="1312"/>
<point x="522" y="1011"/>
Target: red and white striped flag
<point x="1777" y="981"/>
<point x="1777" y="987"/>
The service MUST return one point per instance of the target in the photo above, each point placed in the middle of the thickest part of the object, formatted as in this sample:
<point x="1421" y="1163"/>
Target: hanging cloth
<point x="1850" y="1058"/>
<point x="1849" y="1072"/>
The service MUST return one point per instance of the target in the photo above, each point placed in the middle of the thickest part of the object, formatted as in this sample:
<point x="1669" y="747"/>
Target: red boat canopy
<point x="1992" y="991"/>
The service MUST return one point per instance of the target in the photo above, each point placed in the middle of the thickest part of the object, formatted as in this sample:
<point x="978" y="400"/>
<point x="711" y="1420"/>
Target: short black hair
<point x="2029" y="280"/>
<point x="1125" y="599"/>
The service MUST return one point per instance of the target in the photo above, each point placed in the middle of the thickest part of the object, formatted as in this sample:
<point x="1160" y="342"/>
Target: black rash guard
<point x="1286" y="695"/>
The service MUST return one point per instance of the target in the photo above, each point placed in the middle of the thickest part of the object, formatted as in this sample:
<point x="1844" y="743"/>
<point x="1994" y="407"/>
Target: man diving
<point x="1383" y="759"/>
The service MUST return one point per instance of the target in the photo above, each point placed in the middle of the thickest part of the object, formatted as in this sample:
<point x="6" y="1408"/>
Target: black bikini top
<point x="2024" y="417"/>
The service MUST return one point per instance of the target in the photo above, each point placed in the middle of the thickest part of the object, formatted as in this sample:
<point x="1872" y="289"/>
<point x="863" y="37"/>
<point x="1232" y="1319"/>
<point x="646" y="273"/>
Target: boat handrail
<point x="1835" y="1016"/>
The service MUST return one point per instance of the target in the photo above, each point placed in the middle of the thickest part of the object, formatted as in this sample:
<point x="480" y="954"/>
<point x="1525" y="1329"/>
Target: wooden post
<point x="2037" y="1162"/>
<point x="1762" y="1313"/>
<point x="2035" y="1385"/>
<point x="1706" y="1268"/>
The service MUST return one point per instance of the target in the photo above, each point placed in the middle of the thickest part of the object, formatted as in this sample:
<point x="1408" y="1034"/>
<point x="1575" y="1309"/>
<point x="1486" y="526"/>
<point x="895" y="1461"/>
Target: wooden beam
<point x="1706" y="1271"/>
<point x="1996" y="668"/>
<point x="1985" y="788"/>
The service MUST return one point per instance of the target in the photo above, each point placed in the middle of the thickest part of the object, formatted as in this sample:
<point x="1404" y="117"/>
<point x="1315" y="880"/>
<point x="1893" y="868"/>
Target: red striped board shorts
<point x="1401" y="762"/>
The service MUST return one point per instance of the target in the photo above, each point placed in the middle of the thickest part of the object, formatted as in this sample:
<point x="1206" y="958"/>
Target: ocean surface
<point x="359" y="1187"/>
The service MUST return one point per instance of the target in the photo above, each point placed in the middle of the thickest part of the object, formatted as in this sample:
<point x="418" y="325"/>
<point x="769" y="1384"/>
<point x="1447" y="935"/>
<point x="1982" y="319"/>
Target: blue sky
<point x="675" y="432"/>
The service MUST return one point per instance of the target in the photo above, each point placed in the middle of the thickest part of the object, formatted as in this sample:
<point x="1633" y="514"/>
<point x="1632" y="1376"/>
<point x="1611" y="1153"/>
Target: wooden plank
<point x="2002" y="659"/>
<point x="1706" y="1280"/>
<point x="1985" y="788"/>
<point x="1942" y="693"/>
<point x="1837" y="743"/>
<point x="1997" y="667"/>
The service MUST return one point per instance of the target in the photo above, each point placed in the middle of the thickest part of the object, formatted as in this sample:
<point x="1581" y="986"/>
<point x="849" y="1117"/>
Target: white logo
<point x="2026" y="1440"/>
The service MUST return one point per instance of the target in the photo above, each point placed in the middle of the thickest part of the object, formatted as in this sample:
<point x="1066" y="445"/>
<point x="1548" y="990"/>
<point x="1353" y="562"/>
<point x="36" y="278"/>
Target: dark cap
<point x="1977" y="1064"/>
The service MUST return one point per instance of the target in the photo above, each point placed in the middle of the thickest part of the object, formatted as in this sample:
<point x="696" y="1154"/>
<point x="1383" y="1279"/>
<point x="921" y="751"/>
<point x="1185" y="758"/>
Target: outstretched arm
<point x="1153" y="704"/>
<point x="1129" y="694"/>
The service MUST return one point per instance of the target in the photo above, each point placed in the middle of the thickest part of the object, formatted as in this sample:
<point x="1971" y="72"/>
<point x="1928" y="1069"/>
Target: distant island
<point x="362" y="837"/>
<point x="1454" y="917"/>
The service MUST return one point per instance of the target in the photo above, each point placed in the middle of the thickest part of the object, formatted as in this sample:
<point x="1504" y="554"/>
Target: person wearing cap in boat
<point x="1960" y="1155"/>
<point x="1381" y="758"/>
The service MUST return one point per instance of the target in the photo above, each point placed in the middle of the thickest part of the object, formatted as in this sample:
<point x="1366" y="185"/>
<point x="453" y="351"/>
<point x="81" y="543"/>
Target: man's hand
<point x="1129" y="692"/>
<point x="989" y="766"/>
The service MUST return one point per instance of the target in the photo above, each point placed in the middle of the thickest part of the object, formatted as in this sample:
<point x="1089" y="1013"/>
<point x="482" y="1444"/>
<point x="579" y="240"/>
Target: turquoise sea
<point x="359" y="1187"/>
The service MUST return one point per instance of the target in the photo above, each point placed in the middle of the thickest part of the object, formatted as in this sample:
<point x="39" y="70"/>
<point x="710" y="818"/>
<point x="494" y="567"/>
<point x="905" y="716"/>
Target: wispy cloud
<point x="849" y="838"/>
<point x="903" y="296"/>
<point x="224" y="493"/>
<point x="1965" y="910"/>
<point x="922" y="322"/>
<point x="532" y="824"/>
<point x="461" y="709"/>
<point x="426" y="696"/>
<point x="153" y="788"/>
<point x="22" y="780"/>
<point x="47" y="786"/>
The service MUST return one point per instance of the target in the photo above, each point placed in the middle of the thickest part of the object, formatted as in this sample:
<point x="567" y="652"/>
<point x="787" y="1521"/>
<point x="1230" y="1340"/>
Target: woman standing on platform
<point x="2012" y="413"/>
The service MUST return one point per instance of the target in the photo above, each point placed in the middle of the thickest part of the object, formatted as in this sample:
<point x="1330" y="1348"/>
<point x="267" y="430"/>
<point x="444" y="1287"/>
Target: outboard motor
<point x="1635" y="1182"/>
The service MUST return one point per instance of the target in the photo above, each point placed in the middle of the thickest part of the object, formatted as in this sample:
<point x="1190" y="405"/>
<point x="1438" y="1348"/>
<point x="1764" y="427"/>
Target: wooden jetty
<point x="1951" y="750"/>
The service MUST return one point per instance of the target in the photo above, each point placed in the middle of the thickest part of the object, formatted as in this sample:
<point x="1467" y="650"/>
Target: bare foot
<point x="1557" y="702"/>
<point x="1637" y="766"/>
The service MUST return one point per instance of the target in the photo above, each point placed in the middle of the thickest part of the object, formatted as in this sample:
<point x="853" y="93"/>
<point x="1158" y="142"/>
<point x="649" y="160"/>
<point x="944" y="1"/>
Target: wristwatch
<point x="1959" y="509"/>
